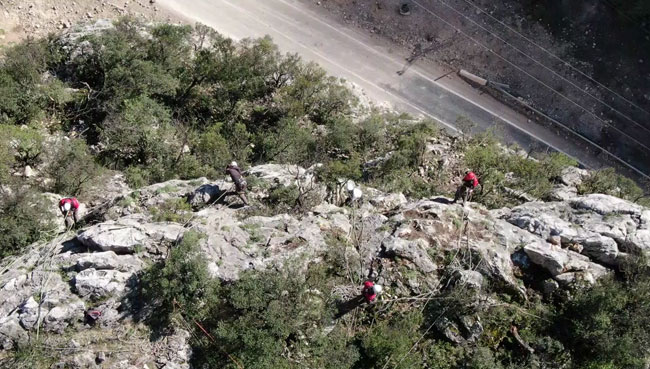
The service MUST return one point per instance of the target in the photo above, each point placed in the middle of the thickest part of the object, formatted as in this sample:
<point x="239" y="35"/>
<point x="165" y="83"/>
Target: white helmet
<point x="66" y="206"/>
<point x="377" y="289"/>
<point x="350" y="185"/>
<point x="233" y="164"/>
<point x="357" y="193"/>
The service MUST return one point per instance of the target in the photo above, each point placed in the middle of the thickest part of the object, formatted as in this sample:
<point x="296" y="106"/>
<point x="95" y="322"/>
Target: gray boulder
<point x="127" y="234"/>
<point x="109" y="260"/>
<point x="415" y="251"/>
<point x="558" y="261"/>
<point x="388" y="201"/>
<point x="94" y="284"/>
<point x="606" y="204"/>
<point x="558" y="220"/>
<point x="11" y="333"/>
<point x="470" y="279"/>
<point x="285" y="175"/>
<point x="206" y="194"/>
<point x="573" y="176"/>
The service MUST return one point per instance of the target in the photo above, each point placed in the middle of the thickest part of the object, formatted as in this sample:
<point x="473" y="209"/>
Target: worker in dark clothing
<point x="464" y="191"/>
<point x="240" y="183"/>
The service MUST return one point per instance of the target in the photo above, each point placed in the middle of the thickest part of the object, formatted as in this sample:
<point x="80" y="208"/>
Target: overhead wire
<point x="555" y="56"/>
<point x="556" y="74"/>
<point x="424" y="76"/>
<point x="512" y="64"/>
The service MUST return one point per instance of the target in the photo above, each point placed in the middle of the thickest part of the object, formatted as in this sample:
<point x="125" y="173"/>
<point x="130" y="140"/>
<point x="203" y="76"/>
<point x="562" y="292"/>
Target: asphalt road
<point x="371" y="63"/>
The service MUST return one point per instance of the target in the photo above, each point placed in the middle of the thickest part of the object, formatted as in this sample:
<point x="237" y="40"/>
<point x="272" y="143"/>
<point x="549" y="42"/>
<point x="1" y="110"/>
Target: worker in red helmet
<point x="69" y="206"/>
<point x="464" y="191"/>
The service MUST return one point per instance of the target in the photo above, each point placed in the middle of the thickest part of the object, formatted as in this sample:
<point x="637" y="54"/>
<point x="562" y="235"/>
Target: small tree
<point x="179" y="283"/>
<point x="212" y="148"/>
<point x="25" y="144"/>
<point x="73" y="168"/>
<point x="140" y="134"/>
<point x="24" y="219"/>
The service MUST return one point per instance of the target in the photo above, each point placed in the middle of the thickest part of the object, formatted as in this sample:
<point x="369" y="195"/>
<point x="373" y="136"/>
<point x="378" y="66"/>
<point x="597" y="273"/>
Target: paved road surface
<point x="371" y="63"/>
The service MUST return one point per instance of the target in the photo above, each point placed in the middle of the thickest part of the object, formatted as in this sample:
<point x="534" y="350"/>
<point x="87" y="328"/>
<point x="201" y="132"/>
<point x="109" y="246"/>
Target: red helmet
<point x="469" y="176"/>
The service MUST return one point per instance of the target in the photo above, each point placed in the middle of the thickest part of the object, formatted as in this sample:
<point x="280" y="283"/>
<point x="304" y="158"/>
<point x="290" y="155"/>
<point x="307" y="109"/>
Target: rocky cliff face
<point x="76" y="290"/>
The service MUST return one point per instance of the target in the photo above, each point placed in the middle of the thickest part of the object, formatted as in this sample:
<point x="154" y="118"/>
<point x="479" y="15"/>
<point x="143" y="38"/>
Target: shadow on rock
<point x="347" y="306"/>
<point x="442" y="200"/>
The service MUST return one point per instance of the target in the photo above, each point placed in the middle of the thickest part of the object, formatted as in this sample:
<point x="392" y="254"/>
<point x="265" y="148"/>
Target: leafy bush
<point x="390" y="343"/>
<point x="608" y="182"/>
<point x="212" y="149"/>
<point x="172" y="210"/>
<point x="607" y="325"/>
<point x="73" y="168"/>
<point x="24" y="218"/>
<point x="34" y="355"/>
<point x="283" y="198"/>
<point x="140" y="134"/>
<point x="272" y="320"/>
<point x="498" y="170"/>
<point x="179" y="283"/>
<point x="399" y="171"/>
<point x="555" y="163"/>
<point x="136" y="177"/>
<point x="23" y="94"/>
<point x="25" y="144"/>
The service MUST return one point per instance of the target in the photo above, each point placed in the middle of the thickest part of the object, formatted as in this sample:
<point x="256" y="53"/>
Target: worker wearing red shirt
<point x="470" y="181"/>
<point x="67" y="205"/>
<point x="370" y="291"/>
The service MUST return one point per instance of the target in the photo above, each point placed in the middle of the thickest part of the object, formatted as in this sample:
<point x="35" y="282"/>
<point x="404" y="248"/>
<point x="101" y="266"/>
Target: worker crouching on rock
<point x="240" y="183"/>
<point x="69" y="206"/>
<point x="464" y="191"/>
<point x="370" y="291"/>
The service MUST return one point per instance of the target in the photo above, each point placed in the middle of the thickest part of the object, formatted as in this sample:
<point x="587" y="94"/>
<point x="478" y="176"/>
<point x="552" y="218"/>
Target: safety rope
<point x="464" y="231"/>
<point x="49" y="257"/>
<point x="205" y="332"/>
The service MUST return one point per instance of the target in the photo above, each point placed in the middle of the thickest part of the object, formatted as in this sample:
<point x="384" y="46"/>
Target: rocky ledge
<point x="78" y="285"/>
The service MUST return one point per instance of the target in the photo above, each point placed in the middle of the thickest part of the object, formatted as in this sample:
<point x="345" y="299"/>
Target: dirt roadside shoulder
<point x="22" y="19"/>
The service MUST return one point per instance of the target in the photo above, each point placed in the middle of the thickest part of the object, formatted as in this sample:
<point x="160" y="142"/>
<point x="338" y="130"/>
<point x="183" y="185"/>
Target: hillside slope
<point x="544" y="268"/>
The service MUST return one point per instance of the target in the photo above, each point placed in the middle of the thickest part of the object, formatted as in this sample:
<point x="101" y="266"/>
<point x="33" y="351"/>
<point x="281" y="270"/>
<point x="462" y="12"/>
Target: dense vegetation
<point x="277" y="320"/>
<point x="181" y="102"/>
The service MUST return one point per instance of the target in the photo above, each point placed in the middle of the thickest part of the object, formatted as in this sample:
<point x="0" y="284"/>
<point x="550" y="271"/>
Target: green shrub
<point x="390" y="342"/>
<point x="607" y="181"/>
<point x="172" y="210"/>
<point x="372" y="136"/>
<point x="25" y="144"/>
<point x="554" y="163"/>
<point x="180" y="283"/>
<point x="606" y="325"/>
<point x="491" y="163"/>
<point x="22" y="91"/>
<point x="239" y="142"/>
<point x="288" y="143"/>
<point x="25" y="217"/>
<point x="73" y="169"/>
<point x="140" y="134"/>
<point x="34" y="355"/>
<point x="335" y="173"/>
<point x="283" y="198"/>
<point x="136" y="177"/>
<point x="268" y="319"/>
<point x="212" y="149"/>
<point x="7" y="160"/>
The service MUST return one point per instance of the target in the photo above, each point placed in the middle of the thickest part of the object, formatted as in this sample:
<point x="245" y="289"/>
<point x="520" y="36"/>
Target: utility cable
<point x="553" y="72"/>
<point x="555" y="56"/>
